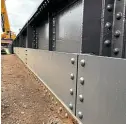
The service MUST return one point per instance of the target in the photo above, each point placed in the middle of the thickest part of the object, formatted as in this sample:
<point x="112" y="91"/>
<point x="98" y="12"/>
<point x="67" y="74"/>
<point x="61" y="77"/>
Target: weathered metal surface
<point x="58" y="72"/>
<point x="101" y="90"/>
<point x="43" y="36"/>
<point x="69" y="28"/>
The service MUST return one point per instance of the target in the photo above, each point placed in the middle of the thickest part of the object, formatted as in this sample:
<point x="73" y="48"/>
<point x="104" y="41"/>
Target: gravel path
<point x="25" y="100"/>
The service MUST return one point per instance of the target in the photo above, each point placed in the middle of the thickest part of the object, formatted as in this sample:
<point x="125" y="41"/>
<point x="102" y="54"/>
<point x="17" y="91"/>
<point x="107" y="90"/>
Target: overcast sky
<point x="19" y="11"/>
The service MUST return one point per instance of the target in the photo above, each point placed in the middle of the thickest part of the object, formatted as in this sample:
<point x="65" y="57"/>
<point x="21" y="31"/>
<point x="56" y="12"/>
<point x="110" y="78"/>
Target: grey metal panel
<point x="104" y="90"/>
<point x="55" y="69"/>
<point x="69" y="29"/>
<point x="43" y="36"/>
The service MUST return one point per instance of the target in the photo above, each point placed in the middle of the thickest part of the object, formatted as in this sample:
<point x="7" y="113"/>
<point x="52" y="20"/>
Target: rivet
<point x="71" y="106"/>
<point x="82" y="80"/>
<point x="46" y="91"/>
<point x="72" y="76"/>
<point x="71" y="91"/>
<point x="66" y="115"/>
<point x="117" y="33"/>
<point x="108" y="25"/>
<point x="80" y="115"/>
<point x="118" y="15"/>
<point x="82" y="62"/>
<point x="72" y="60"/>
<point x="107" y="42"/>
<point x="116" y="51"/>
<point x="109" y="7"/>
<point x="81" y="98"/>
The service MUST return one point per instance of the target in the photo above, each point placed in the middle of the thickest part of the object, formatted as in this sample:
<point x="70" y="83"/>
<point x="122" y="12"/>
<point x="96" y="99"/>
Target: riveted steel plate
<point x="55" y="70"/>
<point x="69" y="28"/>
<point x="104" y="90"/>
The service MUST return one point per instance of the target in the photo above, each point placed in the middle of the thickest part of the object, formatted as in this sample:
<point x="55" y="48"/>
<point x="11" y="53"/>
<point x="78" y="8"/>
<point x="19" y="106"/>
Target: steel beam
<point x="91" y="26"/>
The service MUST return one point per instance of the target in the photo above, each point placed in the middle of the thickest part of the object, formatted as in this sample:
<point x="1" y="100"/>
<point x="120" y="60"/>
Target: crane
<point x="7" y="36"/>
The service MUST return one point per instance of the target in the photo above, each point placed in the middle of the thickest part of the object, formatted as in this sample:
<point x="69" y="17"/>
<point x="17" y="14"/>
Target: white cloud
<point x="19" y="11"/>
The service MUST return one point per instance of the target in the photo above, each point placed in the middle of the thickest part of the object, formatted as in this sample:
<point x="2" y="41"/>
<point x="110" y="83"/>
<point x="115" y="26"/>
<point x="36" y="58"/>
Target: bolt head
<point x="107" y="42"/>
<point x="118" y="15"/>
<point x="82" y="80"/>
<point x="80" y="115"/>
<point x="71" y="91"/>
<point x="81" y="98"/>
<point x="72" y="60"/>
<point x="83" y="62"/>
<point x="116" y="51"/>
<point x="109" y="7"/>
<point x="108" y="25"/>
<point x="72" y="76"/>
<point x="117" y="33"/>
<point x="71" y="106"/>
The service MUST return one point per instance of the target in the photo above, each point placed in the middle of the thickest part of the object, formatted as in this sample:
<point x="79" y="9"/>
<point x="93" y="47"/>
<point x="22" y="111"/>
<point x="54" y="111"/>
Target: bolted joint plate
<point x="104" y="90"/>
<point x="58" y="72"/>
<point x="118" y="28"/>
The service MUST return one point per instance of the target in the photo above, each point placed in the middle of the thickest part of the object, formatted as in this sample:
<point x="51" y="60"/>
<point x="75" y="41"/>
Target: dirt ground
<point x="25" y="100"/>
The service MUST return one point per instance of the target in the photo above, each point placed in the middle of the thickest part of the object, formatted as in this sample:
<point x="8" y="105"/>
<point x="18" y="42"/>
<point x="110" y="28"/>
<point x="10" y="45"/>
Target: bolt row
<point x="53" y="33"/>
<point x="80" y="96"/>
<point x="81" y="80"/>
<point x="108" y="25"/>
<point x="117" y="32"/>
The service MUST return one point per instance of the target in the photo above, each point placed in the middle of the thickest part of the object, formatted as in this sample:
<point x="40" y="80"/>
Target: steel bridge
<point x="78" y="49"/>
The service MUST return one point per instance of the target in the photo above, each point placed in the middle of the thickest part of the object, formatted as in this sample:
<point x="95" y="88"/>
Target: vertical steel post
<point x="29" y="35"/>
<point x="91" y="26"/>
